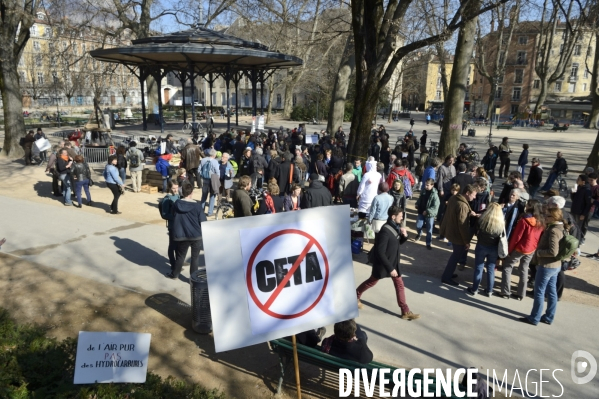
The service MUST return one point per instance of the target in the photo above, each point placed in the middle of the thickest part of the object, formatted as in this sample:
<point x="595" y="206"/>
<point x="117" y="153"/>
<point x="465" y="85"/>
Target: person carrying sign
<point x="385" y="259"/>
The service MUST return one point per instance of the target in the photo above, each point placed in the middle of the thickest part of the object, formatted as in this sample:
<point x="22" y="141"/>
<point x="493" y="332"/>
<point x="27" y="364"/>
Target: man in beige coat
<point x="456" y="228"/>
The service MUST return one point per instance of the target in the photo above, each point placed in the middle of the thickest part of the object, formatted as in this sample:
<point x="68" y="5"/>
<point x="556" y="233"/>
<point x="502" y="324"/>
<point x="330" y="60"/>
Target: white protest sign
<point x="312" y="139"/>
<point x="284" y="287"/>
<point x="261" y="122"/>
<point x="253" y="124"/>
<point x="274" y="275"/>
<point x="111" y="357"/>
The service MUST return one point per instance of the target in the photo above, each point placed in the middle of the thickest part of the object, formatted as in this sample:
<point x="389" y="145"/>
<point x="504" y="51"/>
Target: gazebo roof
<point x="207" y="50"/>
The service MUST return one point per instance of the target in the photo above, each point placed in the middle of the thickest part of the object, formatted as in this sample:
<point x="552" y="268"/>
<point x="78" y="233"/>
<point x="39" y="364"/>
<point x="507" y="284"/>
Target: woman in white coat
<point x="368" y="188"/>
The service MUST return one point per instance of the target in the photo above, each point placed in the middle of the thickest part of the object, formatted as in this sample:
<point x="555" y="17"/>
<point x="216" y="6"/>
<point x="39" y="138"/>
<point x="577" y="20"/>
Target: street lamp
<point x="491" y="118"/>
<point x="55" y="79"/>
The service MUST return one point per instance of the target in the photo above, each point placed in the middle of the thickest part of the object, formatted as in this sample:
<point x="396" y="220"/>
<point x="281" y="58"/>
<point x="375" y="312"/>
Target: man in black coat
<point x="317" y="194"/>
<point x="581" y="204"/>
<point x="463" y="178"/>
<point x="535" y="177"/>
<point x="287" y="174"/>
<point x="385" y="260"/>
<point x="187" y="230"/>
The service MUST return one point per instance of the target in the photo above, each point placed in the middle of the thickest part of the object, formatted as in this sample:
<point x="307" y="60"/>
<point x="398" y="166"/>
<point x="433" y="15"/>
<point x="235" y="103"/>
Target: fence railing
<point x="95" y="155"/>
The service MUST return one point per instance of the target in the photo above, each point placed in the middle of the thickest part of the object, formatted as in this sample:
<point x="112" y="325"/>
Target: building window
<point x="521" y="58"/>
<point x="516" y="93"/>
<point x="498" y="93"/>
<point x="38" y="60"/>
<point x="574" y="70"/>
<point x="22" y="77"/>
<point x="500" y="79"/>
<point x="584" y="87"/>
<point x="522" y="39"/>
<point x="514" y="109"/>
<point x="439" y="82"/>
<point x="41" y="16"/>
<point x="518" y="75"/>
<point x="577" y="49"/>
<point x="278" y="101"/>
<point x="36" y="45"/>
<point x="438" y="95"/>
<point x="294" y="100"/>
<point x="558" y="87"/>
<point x="33" y="31"/>
<point x="571" y="87"/>
<point x="536" y="84"/>
<point x="586" y="73"/>
<point x="439" y="69"/>
<point x="48" y="32"/>
<point x="223" y="99"/>
<point x="40" y="78"/>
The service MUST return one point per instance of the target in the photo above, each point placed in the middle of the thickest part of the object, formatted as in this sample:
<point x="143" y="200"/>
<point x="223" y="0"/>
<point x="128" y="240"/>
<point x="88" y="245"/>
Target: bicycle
<point x="562" y="184"/>
<point x="192" y="127"/>
<point x="224" y="210"/>
<point x="434" y="149"/>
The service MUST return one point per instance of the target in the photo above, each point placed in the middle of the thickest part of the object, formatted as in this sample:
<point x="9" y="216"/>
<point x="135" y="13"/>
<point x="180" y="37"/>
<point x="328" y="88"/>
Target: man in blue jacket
<point x="187" y="230"/>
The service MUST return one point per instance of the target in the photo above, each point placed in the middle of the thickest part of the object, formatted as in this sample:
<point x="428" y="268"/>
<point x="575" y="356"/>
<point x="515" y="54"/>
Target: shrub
<point x="34" y="366"/>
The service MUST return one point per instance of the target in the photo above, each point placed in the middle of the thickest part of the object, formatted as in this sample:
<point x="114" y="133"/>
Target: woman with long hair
<point x="293" y="200"/>
<point x="121" y="162"/>
<point x="548" y="267"/>
<point x="522" y="245"/>
<point x="491" y="226"/>
<point x="114" y="183"/>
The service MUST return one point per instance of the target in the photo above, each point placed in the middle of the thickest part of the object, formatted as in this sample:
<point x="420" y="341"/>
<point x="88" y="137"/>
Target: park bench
<point x="504" y="126"/>
<point x="314" y="356"/>
<point x="560" y="128"/>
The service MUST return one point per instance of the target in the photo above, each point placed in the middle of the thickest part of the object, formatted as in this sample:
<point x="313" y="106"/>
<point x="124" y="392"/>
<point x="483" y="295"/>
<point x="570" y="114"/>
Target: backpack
<point x="407" y="189"/>
<point x="134" y="160"/>
<point x="567" y="246"/>
<point x="22" y="141"/>
<point x="205" y="171"/>
<point x="270" y="204"/>
<point x="166" y="208"/>
<point x="234" y="165"/>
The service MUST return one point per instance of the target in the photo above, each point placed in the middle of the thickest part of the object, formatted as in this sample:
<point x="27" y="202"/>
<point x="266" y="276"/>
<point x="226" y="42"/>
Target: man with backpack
<point x="209" y="167"/>
<point x="135" y="159"/>
<point x="166" y="206"/>
<point x="401" y="172"/>
<point x="187" y="231"/>
<point x="190" y="156"/>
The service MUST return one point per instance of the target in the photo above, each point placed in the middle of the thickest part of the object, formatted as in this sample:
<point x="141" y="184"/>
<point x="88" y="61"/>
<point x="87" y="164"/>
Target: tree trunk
<point x="364" y="111"/>
<point x="454" y="103"/>
<point x="341" y="86"/>
<point x="541" y="98"/>
<point x="288" y="106"/>
<point x="152" y="93"/>
<point x="14" y="124"/>
<point x="491" y="107"/>
<point x="594" y="117"/>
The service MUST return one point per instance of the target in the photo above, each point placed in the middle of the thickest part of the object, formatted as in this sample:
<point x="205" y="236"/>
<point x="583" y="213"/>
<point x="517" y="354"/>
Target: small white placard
<point x="111" y="357"/>
<point x="312" y="139"/>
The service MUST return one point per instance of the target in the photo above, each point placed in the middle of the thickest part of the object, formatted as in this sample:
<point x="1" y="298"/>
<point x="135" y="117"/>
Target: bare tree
<point x="546" y="67"/>
<point x="16" y="18"/>
<point x="434" y="26"/>
<point x="492" y="51"/>
<point x="379" y="50"/>
<point x="346" y="68"/>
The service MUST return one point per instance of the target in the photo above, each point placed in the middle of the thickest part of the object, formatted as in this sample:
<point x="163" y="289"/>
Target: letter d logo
<point x="581" y="366"/>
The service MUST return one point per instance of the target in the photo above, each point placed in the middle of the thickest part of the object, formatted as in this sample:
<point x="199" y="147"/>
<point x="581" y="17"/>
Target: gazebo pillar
<point x="227" y="80"/>
<point x="254" y="79"/>
<point x="142" y="80"/>
<point x="262" y="92"/>
<point x="236" y="81"/>
<point x="158" y="76"/>
<point x="183" y="79"/>
<point x="211" y="81"/>
<point x="193" y="110"/>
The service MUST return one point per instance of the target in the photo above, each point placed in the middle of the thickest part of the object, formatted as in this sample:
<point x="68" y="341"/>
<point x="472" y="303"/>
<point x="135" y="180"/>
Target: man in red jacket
<point x="399" y="171"/>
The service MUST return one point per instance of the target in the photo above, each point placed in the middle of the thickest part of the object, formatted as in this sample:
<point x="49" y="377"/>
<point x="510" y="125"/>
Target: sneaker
<point x="417" y="238"/>
<point x="517" y="297"/>
<point x="545" y="321"/>
<point x="360" y="306"/>
<point x="68" y="204"/>
<point x="429" y="247"/>
<point x="450" y="282"/>
<point x="470" y="292"/>
<point x="410" y="316"/>
<point x="169" y="275"/>
<point x="461" y="266"/>
<point x="441" y="238"/>
<point x="526" y="320"/>
<point x="502" y="295"/>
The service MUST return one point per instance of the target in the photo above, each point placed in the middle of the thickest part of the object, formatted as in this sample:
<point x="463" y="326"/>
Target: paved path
<point x="455" y="330"/>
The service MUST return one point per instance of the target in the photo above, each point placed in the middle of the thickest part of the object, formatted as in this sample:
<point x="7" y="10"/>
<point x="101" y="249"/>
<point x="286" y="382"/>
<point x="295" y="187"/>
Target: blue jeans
<point x="85" y="185"/>
<point x="481" y="253"/>
<point x="545" y="280"/>
<point x="66" y="188"/>
<point x="430" y="223"/>
<point x="205" y="192"/>
<point x="532" y="191"/>
<point x="164" y="184"/>
<point x="523" y="171"/>
<point x="459" y="252"/>
<point x="123" y="174"/>
<point x="549" y="182"/>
